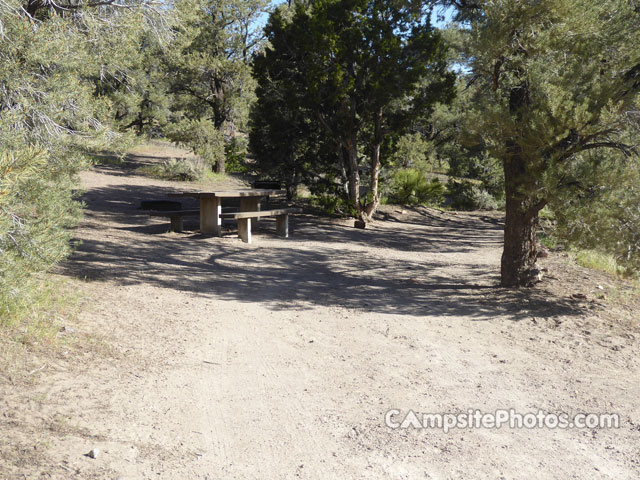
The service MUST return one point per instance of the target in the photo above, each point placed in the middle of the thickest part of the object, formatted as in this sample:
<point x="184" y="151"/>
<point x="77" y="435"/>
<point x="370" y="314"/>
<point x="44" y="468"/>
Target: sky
<point x="439" y="19"/>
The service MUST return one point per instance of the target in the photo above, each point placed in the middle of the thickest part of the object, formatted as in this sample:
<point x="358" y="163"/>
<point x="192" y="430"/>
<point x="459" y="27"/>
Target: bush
<point x="236" y="152"/>
<point x="202" y="137"/>
<point x="412" y="151"/>
<point x="483" y="200"/>
<point x="332" y="205"/>
<point x="464" y="195"/>
<point x="183" y="169"/>
<point x="482" y="167"/>
<point x="410" y="186"/>
<point x="599" y="208"/>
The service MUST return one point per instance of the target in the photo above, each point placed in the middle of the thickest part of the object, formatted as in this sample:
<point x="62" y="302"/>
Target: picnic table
<point x="211" y="204"/>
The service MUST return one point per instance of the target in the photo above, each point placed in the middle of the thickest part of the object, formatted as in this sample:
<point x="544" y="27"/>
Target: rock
<point x="94" y="453"/>
<point x="535" y="275"/>
<point x="543" y="252"/>
<point x="359" y="224"/>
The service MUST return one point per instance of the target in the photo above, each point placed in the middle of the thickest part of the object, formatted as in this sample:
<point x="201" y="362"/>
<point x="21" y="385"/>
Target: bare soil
<point x="206" y="358"/>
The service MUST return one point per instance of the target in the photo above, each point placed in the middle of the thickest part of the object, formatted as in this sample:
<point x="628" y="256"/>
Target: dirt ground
<point x="212" y="359"/>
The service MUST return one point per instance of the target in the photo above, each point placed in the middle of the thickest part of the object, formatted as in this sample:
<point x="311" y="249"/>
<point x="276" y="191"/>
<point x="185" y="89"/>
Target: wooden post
<point x="210" y="222"/>
<point x="176" y="223"/>
<point x="244" y="229"/>
<point x="250" y="204"/>
<point x="282" y="225"/>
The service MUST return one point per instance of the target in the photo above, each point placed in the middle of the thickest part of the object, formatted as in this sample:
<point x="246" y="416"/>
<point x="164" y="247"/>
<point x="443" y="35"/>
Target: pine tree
<point x="210" y="75"/>
<point x="557" y="78"/>
<point x="53" y="61"/>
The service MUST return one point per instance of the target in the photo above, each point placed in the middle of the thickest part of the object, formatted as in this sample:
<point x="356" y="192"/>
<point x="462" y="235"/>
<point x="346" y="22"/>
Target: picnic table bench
<point x="244" y="221"/>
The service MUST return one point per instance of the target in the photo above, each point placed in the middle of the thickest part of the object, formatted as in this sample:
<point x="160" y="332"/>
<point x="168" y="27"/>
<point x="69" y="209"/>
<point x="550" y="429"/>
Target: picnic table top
<point x="245" y="192"/>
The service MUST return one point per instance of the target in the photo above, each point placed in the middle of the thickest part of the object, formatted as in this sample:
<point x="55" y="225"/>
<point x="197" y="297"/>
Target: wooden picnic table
<point x="211" y="204"/>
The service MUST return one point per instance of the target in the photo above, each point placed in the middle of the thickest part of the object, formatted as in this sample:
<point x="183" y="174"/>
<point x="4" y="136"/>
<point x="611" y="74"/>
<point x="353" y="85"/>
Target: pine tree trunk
<point x="220" y="166"/>
<point x="521" y="225"/>
<point x="219" y="117"/>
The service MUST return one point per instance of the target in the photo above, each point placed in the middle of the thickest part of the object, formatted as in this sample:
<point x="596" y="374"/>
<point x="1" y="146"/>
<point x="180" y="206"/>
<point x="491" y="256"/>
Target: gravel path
<point x="280" y="359"/>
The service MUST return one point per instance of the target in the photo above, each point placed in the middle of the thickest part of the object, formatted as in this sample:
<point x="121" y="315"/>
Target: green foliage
<point x="598" y="207"/>
<point x="201" y="136"/>
<point x="414" y="151"/>
<point x="453" y="150"/>
<point x="411" y="186"/>
<point x="235" y="153"/>
<point x="55" y="107"/>
<point x="339" y="80"/>
<point x="36" y="211"/>
<point x="465" y="195"/>
<point x="208" y="68"/>
<point x="144" y="101"/>
<point x="573" y="90"/>
<point x="287" y="145"/>
<point x="483" y="168"/>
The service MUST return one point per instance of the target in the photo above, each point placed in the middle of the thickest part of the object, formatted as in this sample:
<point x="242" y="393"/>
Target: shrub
<point x="464" y="195"/>
<point x="183" y="169"/>
<point x="331" y="204"/>
<point x="410" y="186"/>
<point x="412" y="151"/>
<point x="236" y="152"/>
<point x="202" y="137"/>
<point x="483" y="200"/>
<point x="482" y="168"/>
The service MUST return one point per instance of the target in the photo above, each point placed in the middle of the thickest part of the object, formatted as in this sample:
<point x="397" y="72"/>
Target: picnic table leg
<point x="244" y="229"/>
<point x="176" y="223"/>
<point x="250" y="204"/>
<point x="210" y="210"/>
<point x="282" y="225"/>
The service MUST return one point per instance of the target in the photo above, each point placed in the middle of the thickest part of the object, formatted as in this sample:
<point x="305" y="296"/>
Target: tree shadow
<point x="322" y="264"/>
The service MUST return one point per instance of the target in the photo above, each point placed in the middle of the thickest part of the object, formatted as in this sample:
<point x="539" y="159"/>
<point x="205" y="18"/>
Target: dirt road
<point x="280" y="359"/>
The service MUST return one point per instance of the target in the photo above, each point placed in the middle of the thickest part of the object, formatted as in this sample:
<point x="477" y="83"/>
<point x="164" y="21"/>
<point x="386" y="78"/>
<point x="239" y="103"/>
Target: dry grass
<point x="163" y="160"/>
<point x="160" y="148"/>
<point x="46" y="332"/>
<point x="599" y="261"/>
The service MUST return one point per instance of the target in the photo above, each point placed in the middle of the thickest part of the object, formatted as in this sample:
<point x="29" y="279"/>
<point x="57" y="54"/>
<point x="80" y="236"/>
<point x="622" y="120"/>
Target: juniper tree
<point x="357" y="71"/>
<point x="284" y="139"/>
